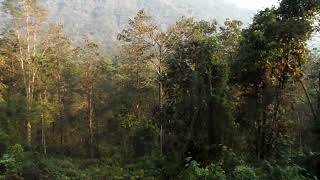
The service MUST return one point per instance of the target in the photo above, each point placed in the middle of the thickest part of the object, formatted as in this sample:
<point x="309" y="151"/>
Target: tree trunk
<point x="212" y="126"/>
<point x="161" y="105"/>
<point x="29" y="133"/>
<point x="43" y="100"/>
<point x="137" y="106"/>
<point x="318" y="95"/>
<point x="28" y="122"/>
<point x="60" y="114"/>
<point x="90" y="118"/>
<point x="61" y="129"/>
<point x="309" y="100"/>
<point x="161" y="139"/>
<point x="43" y="136"/>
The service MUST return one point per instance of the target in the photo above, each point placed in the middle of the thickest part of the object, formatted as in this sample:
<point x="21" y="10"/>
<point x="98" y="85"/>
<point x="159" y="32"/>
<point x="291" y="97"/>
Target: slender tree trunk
<point x="160" y="81"/>
<point x="97" y="133"/>
<point x="43" y="100"/>
<point x="27" y="23"/>
<point x="262" y="135"/>
<point x="212" y="125"/>
<point x="276" y="124"/>
<point x="161" y="139"/>
<point x="61" y="129"/>
<point x="28" y="122"/>
<point x="259" y="118"/>
<point x="29" y="133"/>
<point x="28" y="80"/>
<point x="161" y="135"/>
<point x="318" y="111"/>
<point x="138" y="88"/>
<point x="309" y="100"/>
<point x="90" y="118"/>
<point x="60" y="114"/>
<point x="43" y="135"/>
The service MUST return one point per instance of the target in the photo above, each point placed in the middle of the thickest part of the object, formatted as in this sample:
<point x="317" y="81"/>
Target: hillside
<point x="101" y="20"/>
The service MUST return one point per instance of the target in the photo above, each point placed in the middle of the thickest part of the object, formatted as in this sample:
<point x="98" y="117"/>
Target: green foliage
<point x="288" y="171"/>
<point x="231" y="159"/>
<point x="57" y="168"/>
<point x="17" y="151"/>
<point x="198" y="107"/>
<point x="294" y="172"/>
<point x="148" y="167"/>
<point x="12" y="112"/>
<point x="3" y="142"/>
<point x="60" y="169"/>
<point x="194" y="171"/>
<point x="243" y="172"/>
<point x="144" y="139"/>
<point x="272" y="53"/>
<point x="13" y="160"/>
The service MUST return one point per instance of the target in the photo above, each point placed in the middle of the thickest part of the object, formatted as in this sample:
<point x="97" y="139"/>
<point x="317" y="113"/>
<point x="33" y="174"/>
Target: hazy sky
<point x="254" y="4"/>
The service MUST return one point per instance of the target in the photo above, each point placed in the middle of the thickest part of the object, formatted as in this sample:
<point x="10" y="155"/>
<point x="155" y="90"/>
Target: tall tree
<point x="272" y="53"/>
<point x="197" y="108"/>
<point x="136" y="53"/>
<point x="52" y="86"/>
<point x="91" y="69"/>
<point x="27" y="19"/>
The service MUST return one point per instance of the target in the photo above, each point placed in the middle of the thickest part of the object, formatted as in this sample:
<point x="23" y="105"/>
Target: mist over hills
<point x="102" y="20"/>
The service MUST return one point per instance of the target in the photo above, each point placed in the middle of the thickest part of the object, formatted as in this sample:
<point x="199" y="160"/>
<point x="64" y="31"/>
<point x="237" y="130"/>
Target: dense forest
<point x="196" y="100"/>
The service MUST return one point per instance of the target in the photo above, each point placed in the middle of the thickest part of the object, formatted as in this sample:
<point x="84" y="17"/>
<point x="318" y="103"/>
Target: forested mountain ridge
<point x="109" y="17"/>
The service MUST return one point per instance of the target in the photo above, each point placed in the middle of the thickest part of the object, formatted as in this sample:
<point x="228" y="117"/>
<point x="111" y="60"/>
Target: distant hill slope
<point x="102" y="20"/>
